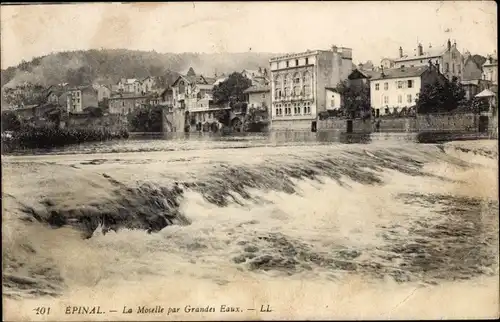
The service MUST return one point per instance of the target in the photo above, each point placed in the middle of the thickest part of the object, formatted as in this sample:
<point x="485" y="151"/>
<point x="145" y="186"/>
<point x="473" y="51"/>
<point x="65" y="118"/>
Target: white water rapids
<point x="391" y="229"/>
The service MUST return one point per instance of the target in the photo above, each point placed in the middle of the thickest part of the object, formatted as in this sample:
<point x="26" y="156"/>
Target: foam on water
<point x="359" y="231"/>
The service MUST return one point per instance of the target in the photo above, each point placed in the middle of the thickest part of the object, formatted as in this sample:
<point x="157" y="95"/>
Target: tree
<point x="10" y="121"/>
<point x="355" y="99"/>
<point x="147" y="119"/>
<point x="222" y="116"/>
<point x="231" y="90"/>
<point x="440" y="96"/>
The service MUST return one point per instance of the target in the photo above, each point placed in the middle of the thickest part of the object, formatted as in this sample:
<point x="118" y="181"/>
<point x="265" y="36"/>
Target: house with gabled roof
<point x="448" y="57"/>
<point x="395" y="89"/>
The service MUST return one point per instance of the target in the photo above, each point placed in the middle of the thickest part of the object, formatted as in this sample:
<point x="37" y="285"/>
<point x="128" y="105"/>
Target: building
<point x="398" y="88"/>
<point x="258" y="77"/>
<point x="126" y="103"/>
<point x="54" y="95"/>
<point x="259" y="97"/>
<point x="490" y="70"/>
<point x="299" y="82"/>
<point x="361" y="78"/>
<point x="473" y="67"/>
<point x="448" y="57"/>
<point x="130" y="85"/>
<point x="103" y="92"/>
<point x="148" y="84"/>
<point x="474" y="86"/>
<point x="387" y="63"/>
<point x="333" y="99"/>
<point x="167" y="97"/>
<point x="79" y="98"/>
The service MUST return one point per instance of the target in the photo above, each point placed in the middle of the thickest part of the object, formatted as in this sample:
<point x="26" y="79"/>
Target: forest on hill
<point x="107" y="66"/>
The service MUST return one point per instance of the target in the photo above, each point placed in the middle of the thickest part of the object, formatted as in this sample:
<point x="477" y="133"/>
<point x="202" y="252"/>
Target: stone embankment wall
<point x="464" y="122"/>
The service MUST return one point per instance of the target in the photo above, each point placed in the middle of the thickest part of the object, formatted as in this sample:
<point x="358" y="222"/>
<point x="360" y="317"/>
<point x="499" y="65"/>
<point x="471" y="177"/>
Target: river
<point x="316" y="226"/>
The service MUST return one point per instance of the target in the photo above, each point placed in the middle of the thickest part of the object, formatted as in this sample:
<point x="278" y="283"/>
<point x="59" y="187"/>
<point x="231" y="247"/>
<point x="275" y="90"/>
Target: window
<point x="377" y="87"/>
<point x="412" y="65"/>
<point x="287" y="64"/>
<point x="400" y="84"/>
<point x="123" y="103"/>
<point x="447" y="69"/>
<point x="453" y="68"/>
<point x="408" y="97"/>
<point x="296" y="78"/>
<point x="386" y="99"/>
<point x="307" y="61"/>
<point x="299" y="109"/>
<point x="410" y="84"/>
<point x="386" y="86"/>
<point x="307" y="108"/>
<point x="459" y="68"/>
<point x="386" y="110"/>
<point x="296" y="62"/>
<point x="306" y="82"/>
<point x="263" y="95"/>
<point x="400" y="98"/>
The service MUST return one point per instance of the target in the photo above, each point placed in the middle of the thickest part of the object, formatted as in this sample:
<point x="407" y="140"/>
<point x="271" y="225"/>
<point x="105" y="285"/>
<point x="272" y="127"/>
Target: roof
<point x="205" y="86"/>
<point x="131" y="80"/>
<point x="490" y="61"/>
<point x="401" y="72"/>
<point x="257" y="89"/>
<point x="251" y="72"/>
<point x="366" y="73"/>
<point x="197" y="79"/>
<point x="485" y="93"/>
<point x="83" y="87"/>
<point x="470" y="82"/>
<point x="127" y="96"/>
<point x="332" y="89"/>
<point x="428" y="53"/>
<point x="210" y="80"/>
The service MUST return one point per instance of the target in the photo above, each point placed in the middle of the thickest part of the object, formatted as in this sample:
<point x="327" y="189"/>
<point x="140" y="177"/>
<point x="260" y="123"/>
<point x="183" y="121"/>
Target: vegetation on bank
<point x="18" y="134"/>
<point x="146" y="119"/>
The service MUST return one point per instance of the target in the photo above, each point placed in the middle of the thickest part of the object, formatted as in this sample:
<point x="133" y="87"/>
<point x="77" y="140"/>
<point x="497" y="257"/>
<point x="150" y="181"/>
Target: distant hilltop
<point x="108" y="66"/>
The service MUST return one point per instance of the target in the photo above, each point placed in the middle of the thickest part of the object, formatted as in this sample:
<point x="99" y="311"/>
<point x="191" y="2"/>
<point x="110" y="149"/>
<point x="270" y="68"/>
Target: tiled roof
<point x="128" y="95"/>
<point x="257" y="89"/>
<point x="401" y="72"/>
<point x="428" y="53"/>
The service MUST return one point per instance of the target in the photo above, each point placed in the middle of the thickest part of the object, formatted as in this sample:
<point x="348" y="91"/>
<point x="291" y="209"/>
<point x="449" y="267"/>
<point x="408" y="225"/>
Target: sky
<point x="372" y="29"/>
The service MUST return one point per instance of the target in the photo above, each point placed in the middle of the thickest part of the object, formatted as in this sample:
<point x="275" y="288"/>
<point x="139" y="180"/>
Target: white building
<point x="299" y="82"/>
<point x="332" y="99"/>
<point x="490" y="69"/>
<point x="397" y="88"/>
<point x="130" y="85"/>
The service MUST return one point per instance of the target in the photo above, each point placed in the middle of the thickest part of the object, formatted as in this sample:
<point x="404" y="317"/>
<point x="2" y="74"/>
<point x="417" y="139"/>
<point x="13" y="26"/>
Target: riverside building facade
<point x="299" y="83"/>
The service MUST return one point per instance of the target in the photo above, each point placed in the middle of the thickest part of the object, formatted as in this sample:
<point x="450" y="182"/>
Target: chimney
<point x="400" y="52"/>
<point x="382" y="71"/>
<point x="454" y="43"/>
<point x="420" y="50"/>
<point x="334" y="48"/>
<point x="449" y="44"/>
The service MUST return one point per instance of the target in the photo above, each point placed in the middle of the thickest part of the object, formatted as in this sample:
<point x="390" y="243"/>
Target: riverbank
<point x="43" y="137"/>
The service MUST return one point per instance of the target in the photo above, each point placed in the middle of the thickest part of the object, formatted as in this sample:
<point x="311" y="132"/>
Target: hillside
<point x="108" y="66"/>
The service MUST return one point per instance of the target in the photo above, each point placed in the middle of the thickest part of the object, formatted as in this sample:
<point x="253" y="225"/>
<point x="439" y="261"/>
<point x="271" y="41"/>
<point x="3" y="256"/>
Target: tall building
<point x="448" y="57"/>
<point x="299" y="82"/>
